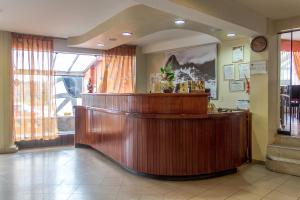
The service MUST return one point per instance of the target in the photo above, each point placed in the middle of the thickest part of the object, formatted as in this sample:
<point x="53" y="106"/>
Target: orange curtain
<point x="116" y="72"/>
<point x="286" y="46"/>
<point x="34" y="89"/>
<point x="296" y="56"/>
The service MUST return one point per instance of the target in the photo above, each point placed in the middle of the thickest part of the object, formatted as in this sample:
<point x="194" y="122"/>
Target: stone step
<point x="283" y="165"/>
<point x="287" y="141"/>
<point x="283" y="151"/>
<point x="284" y="155"/>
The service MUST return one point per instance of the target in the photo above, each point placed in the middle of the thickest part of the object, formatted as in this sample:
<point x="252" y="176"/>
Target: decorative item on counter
<point x="184" y="87"/>
<point x="211" y="107"/>
<point x="197" y="86"/>
<point x="224" y="110"/>
<point x="167" y="78"/>
<point x="90" y="86"/>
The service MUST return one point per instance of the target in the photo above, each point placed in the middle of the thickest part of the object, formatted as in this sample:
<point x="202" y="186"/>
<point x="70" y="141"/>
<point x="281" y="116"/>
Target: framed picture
<point x="238" y="54"/>
<point x="236" y="85"/>
<point x="244" y="70"/>
<point x="228" y="72"/>
<point x="194" y="64"/>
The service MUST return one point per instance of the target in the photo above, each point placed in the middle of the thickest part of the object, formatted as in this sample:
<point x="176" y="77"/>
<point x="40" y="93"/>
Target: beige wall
<point x="225" y="98"/>
<point x="6" y="144"/>
<point x="264" y="100"/>
<point x="141" y="72"/>
<point x="154" y="62"/>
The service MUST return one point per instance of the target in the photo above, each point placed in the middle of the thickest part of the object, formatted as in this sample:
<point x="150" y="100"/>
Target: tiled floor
<point x="82" y="174"/>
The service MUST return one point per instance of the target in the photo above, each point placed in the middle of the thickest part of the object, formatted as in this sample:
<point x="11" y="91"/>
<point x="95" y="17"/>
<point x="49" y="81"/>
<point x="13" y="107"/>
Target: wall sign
<point x="258" y="67"/>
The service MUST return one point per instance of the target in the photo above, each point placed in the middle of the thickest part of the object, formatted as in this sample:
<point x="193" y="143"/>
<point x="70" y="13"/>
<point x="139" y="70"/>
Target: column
<point x="6" y="95"/>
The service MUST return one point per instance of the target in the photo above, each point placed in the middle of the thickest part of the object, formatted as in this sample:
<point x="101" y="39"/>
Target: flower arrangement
<point x="167" y="78"/>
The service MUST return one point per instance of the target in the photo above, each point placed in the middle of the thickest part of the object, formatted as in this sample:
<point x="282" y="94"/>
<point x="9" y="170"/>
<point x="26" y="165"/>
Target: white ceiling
<point x="166" y="35"/>
<point x="57" y="18"/>
<point x="67" y="18"/>
<point x="274" y="9"/>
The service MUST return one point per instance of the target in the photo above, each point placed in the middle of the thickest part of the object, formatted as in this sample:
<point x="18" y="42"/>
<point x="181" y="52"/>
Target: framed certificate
<point x="228" y="72"/>
<point x="236" y="85"/>
<point x="238" y="54"/>
<point x="244" y="70"/>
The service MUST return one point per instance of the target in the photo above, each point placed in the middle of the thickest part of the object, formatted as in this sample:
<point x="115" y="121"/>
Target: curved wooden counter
<point x="177" y="142"/>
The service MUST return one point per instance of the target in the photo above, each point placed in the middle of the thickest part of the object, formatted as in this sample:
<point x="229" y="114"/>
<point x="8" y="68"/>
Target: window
<point x="69" y="70"/>
<point x="68" y="90"/>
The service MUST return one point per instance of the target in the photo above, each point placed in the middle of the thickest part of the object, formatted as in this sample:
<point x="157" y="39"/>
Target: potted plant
<point x="167" y="78"/>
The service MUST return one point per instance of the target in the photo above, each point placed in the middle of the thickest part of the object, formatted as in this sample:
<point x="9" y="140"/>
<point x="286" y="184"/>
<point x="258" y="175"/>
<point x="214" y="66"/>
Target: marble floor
<point x="83" y="174"/>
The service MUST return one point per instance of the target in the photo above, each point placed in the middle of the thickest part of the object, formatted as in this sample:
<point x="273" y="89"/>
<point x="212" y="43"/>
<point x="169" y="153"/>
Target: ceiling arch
<point x="140" y="20"/>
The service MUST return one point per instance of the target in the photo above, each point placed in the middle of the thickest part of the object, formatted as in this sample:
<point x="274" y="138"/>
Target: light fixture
<point x="179" y="21"/>
<point x="100" y="45"/>
<point x="231" y="35"/>
<point x="127" y="34"/>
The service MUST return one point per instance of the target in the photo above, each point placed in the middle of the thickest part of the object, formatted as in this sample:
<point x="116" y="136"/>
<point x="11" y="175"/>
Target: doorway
<point x="289" y="60"/>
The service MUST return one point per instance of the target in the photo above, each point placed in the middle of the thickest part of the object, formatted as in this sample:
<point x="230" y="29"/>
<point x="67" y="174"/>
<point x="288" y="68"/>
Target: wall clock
<point x="259" y="44"/>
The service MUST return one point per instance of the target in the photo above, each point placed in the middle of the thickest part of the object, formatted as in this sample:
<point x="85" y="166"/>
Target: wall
<point x="154" y="62"/>
<point x="6" y="106"/>
<point x="225" y="98"/>
<point x="141" y="72"/>
<point x="264" y="100"/>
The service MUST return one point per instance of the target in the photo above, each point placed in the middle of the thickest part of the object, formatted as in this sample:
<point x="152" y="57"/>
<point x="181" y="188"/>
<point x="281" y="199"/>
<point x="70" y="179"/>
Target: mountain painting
<point x="197" y="63"/>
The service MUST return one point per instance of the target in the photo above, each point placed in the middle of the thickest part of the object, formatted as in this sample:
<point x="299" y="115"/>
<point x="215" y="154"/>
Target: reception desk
<point x="164" y="135"/>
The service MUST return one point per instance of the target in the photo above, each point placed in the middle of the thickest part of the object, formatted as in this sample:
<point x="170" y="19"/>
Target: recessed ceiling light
<point x="127" y="34"/>
<point x="179" y="21"/>
<point x="100" y="45"/>
<point x="231" y="34"/>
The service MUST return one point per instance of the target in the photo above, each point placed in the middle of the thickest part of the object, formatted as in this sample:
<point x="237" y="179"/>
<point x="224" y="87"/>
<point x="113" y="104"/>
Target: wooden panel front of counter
<point x="166" y="144"/>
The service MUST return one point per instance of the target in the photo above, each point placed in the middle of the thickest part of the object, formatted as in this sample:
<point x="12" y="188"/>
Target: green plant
<point x="167" y="73"/>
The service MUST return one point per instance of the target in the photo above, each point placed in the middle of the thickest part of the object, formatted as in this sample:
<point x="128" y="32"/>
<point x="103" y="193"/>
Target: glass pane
<point x="68" y="94"/>
<point x="82" y="63"/>
<point x="63" y="61"/>
<point x="285" y="81"/>
<point x="295" y="87"/>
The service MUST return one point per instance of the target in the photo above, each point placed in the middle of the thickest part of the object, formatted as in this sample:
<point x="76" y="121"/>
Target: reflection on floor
<point x="82" y="174"/>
